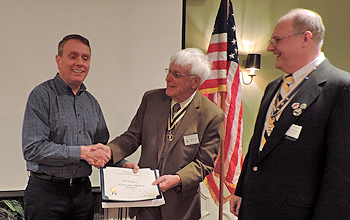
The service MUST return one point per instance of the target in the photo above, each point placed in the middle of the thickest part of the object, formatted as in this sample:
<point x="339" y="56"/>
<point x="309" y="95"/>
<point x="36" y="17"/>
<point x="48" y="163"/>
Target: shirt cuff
<point x="74" y="154"/>
<point x="120" y="163"/>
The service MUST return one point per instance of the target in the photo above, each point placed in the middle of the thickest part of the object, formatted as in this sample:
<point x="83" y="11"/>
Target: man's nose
<point x="169" y="77"/>
<point x="270" y="46"/>
<point x="79" y="61"/>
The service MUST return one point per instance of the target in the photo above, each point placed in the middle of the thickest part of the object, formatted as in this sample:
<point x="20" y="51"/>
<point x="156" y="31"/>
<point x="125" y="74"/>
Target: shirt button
<point x="255" y="168"/>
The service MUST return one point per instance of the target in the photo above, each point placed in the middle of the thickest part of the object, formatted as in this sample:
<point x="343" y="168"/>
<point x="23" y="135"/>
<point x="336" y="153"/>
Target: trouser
<point x="149" y="213"/>
<point x="58" y="200"/>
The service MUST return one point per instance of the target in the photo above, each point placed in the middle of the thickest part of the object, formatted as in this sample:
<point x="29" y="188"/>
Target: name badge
<point x="191" y="139"/>
<point x="294" y="131"/>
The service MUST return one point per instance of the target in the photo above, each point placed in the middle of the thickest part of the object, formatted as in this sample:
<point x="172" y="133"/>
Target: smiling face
<point x="180" y="89"/>
<point x="74" y="63"/>
<point x="288" y="50"/>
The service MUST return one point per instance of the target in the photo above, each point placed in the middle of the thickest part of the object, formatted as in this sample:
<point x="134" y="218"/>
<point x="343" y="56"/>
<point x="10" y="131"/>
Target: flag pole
<point x="222" y="103"/>
<point x="223" y="41"/>
<point x="221" y="202"/>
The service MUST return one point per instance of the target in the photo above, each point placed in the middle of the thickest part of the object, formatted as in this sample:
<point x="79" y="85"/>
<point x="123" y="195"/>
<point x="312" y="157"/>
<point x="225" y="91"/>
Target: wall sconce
<point x="252" y="64"/>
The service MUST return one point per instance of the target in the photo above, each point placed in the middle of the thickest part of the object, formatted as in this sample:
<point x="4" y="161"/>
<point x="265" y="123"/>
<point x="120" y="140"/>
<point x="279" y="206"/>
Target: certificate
<point x="121" y="184"/>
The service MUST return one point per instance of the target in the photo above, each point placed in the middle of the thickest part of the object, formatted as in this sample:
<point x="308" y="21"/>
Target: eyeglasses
<point x="275" y="40"/>
<point x="177" y="74"/>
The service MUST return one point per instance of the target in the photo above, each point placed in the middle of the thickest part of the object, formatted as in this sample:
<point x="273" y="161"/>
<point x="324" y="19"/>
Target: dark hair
<point x="69" y="37"/>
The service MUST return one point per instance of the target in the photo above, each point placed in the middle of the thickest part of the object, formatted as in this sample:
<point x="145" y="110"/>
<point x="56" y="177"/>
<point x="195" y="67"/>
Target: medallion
<point x="170" y="137"/>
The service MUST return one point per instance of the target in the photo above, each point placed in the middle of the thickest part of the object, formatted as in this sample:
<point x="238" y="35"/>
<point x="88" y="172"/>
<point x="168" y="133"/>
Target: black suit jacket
<point x="308" y="177"/>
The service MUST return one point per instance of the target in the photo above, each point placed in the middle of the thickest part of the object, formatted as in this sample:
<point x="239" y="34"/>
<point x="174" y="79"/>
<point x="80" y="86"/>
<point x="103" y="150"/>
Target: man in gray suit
<point x="297" y="165"/>
<point x="184" y="146"/>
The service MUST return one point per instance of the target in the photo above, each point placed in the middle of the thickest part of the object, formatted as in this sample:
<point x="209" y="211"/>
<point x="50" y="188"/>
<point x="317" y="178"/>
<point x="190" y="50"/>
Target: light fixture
<point x="252" y="64"/>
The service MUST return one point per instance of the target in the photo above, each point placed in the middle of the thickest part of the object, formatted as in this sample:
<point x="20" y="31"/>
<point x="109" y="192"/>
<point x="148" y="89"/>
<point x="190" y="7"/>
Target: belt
<point x="70" y="181"/>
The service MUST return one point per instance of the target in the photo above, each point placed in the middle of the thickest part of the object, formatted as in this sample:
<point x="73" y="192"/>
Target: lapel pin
<point x="297" y="111"/>
<point x="295" y="105"/>
<point x="303" y="106"/>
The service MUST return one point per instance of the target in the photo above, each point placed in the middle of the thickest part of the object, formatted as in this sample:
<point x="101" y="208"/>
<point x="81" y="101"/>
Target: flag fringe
<point x="221" y="88"/>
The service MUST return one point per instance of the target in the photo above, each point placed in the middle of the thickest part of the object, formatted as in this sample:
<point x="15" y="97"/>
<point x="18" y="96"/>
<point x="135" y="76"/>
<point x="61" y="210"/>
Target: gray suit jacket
<point x="191" y="162"/>
<point x="307" y="177"/>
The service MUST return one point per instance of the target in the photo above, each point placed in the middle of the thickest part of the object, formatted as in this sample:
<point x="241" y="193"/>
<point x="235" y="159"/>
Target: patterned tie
<point x="172" y="121"/>
<point x="176" y="108"/>
<point x="287" y="81"/>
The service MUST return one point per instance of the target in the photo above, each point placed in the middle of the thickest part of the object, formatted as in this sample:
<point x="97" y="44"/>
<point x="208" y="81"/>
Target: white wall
<point x="131" y="40"/>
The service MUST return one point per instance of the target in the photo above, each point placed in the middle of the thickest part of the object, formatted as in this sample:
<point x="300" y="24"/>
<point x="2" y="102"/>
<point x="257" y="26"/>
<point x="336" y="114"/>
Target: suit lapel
<point x="163" y="116"/>
<point x="260" y="121"/>
<point x="306" y="95"/>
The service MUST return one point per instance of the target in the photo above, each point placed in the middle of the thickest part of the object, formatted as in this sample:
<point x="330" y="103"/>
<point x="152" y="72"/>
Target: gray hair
<point x="307" y="20"/>
<point x="199" y="62"/>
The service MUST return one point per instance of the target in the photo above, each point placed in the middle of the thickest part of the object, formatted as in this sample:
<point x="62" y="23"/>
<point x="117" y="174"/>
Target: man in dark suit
<point x="184" y="146"/>
<point x="297" y="165"/>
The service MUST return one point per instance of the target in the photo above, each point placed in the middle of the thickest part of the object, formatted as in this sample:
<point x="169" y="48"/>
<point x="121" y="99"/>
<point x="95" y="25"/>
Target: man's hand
<point x="103" y="147"/>
<point x="96" y="155"/>
<point x="167" y="181"/>
<point x="235" y="204"/>
<point x="132" y="166"/>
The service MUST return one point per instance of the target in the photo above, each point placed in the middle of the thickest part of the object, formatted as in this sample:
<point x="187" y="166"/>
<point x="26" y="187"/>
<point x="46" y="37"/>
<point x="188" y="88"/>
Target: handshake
<point x="98" y="155"/>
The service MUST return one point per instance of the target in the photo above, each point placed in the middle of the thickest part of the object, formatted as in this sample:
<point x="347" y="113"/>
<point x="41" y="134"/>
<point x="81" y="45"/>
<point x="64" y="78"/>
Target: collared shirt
<point x="184" y="103"/>
<point x="298" y="76"/>
<point x="56" y="123"/>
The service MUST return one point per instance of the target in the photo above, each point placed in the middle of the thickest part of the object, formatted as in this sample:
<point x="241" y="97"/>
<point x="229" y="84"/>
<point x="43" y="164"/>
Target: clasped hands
<point x="99" y="154"/>
<point x="96" y="155"/>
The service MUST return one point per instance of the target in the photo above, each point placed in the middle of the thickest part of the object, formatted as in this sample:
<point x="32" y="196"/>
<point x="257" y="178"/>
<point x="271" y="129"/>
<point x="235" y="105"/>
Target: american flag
<point x="225" y="78"/>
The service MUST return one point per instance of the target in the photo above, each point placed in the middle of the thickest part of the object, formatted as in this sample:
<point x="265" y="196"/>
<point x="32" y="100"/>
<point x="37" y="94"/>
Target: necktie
<point x="172" y="121"/>
<point x="176" y="108"/>
<point x="284" y="90"/>
<point x="287" y="81"/>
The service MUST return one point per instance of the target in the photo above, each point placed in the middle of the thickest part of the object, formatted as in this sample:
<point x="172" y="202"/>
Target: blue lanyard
<point x="177" y="117"/>
<point x="284" y="101"/>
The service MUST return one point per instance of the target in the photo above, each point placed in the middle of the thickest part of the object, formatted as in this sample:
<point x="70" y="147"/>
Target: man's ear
<point x="58" y="59"/>
<point x="307" y="36"/>
<point x="196" y="82"/>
